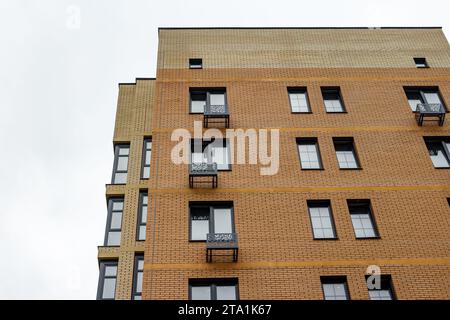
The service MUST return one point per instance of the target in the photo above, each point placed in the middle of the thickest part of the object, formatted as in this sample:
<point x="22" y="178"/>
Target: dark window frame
<point x="325" y="90"/>
<point x="213" y="283"/>
<point x="195" y="63"/>
<point x="294" y="90"/>
<point x="138" y="256"/>
<point x="140" y="224"/>
<point x="421" y="63"/>
<point x="117" y="148"/>
<point x="386" y="284"/>
<point x="306" y="141"/>
<point x="207" y="91"/>
<point x="110" y="203"/>
<point x="101" y="279"/>
<point x="421" y="90"/>
<point x="211" y="205"/>
<point x="442" y="140"/>
<point x="335" y="280"/>
<point x="348" y="141"/>
<point x="364" y="203"/>
<point x="206" y="142"/>
<point x="143" y="160"/>
<point x="322" y="204"/>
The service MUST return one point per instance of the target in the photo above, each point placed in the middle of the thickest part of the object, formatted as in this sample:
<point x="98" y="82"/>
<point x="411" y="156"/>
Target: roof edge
<point x="306" y="28"/>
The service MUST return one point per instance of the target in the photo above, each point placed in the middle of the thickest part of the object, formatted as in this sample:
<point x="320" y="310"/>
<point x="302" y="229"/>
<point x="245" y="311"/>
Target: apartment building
<point x="360" y="192"/>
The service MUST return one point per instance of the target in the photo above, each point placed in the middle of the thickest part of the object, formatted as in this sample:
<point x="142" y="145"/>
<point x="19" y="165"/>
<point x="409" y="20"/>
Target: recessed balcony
<point x="436" y="111"/>
<point x="203" y="173"/>
<point x="216" y="114"/>
<point x="227" y="243"/>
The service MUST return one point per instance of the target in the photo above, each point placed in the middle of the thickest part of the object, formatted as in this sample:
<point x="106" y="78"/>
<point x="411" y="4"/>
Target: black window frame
<point x="295" y="90"/>
<point x="213" y="283"/>
<point x="309" y="141"/>
<point x="322" y="203"/>
<point x="117" y="148"/>
<point x="110" y="204"/>
<point x="137" y="257"/>
<point x="139" y="223"/>
<point x="144" y="158"/>
<point x="352" y="203"/>
<point x="421" y="90"/>
<point x="349" y="141"/>
<point x="336" y="90"/>
<point x="205" y="143"/>
<point x="101" y="279"/>
<point x="211" y="205"/>
<point x="435" y="140"/>
<point x="421" y="63"/>
<point x="386" y="284"/>
<point x="335" y="280"/>
<point x="207" y="92"/>
<point x="195" y="63"/>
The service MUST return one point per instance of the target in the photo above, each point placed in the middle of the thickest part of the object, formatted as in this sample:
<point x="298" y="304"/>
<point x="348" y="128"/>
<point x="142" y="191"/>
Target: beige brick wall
<point x="301" y="48"/>
<point x="133" y="123"/>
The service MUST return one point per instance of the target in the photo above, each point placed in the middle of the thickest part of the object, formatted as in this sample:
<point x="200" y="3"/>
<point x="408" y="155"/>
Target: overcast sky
<point x="58" y="95"/>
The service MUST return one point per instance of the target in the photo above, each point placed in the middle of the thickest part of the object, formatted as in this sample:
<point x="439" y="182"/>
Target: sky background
<point x="59" y="80"/>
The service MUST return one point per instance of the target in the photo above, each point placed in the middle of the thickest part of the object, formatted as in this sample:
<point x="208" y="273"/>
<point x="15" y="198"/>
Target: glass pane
<point x="120" y="178"/>
<point x="141" y="264"/>
<point x="226" y="292"/>
<point x="222" y="221"/>
<point x="198" y="158"/>
<point x="217" y="99"/>
<point x="199" y="229"/>
<point x="144" y="214"/>
<point x="299" y="102"/>
<point x="142" y="230"/>
<point x="136" y="297"/>
<point x="201" y="293"/>
<point x="198" y="106"/>
<point x="109" y="288"/>
<point x="148" y="145"/>
<point x="438" y="156"/>
<point x="432" y="97"/>
<point x="139" y="282"/>
<point x="117" y="205"/>
<point x="146" y="173"/>
<point x="110" y="271"/>
<point x="309" y="156"/>
<point x="122" y="164"/>
<point x="116" y="219"/>
<point x="148" y="157"/>
<point x="113" y="238"/>
<point x="123" y="151"/>
<point x="220" y="156"/>
<point x="144" y="199"/>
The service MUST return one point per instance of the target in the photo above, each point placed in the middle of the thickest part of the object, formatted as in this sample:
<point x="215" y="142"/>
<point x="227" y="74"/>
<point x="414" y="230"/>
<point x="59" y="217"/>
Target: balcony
<point x="227" y="242"/>
<point x="199" y="171"/>
<point x="430" y="110"/>
<point x="216" y="114"/>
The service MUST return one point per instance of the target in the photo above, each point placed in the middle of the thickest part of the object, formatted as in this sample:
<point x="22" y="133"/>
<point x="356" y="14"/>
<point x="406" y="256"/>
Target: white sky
<point x="58" y="95"/>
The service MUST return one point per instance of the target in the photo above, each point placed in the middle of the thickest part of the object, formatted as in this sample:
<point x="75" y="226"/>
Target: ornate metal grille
<point x="221" y="241"/>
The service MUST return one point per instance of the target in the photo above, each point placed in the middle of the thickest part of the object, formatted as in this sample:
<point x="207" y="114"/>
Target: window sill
<point x="318" y="169"/>
<point x="197" y="241"/>
<point x="309" y="112"/>
<point x="369" y="238"/>
<point x="336" y="112"/>
<point x="350" y="169"/>
<point x="326" y="239"/>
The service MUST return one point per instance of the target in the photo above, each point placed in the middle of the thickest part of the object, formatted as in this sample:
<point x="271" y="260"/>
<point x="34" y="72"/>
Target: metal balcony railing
<point x="203" y="169"/>
<point x="222" y="241"/>
<point x="427" y="110"/>
<point x="216" y="112"/>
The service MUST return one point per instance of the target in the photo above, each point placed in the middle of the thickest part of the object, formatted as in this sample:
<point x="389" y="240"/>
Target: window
<point x="421" y="62"/>
<point x="321" y="219"/>
<point x="385" y="291"/>
<point x="308" y="150"/>
<point x="121" y="154"/>
<point x="210" y="218"/>
<point x="213" y="289"/>
<point x="298" y="97"/>
<point x="209" y="151"/>
<point x="346" y="153"/>
<point x="142" y="216"/>
<point x="138" y="277"/>
<point x="107" y="280"/>
<point x="114" y="222"/>
<point x="146" y="158"/>
<point x="195" y="63"/>
<point x="439" y="150"/>
<point x="201" y="97"/>
<point x="428" y="95"/>
<point x="335" y="288"/>
<point x="362" y="218"/>
<point x="333" y="100"/>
